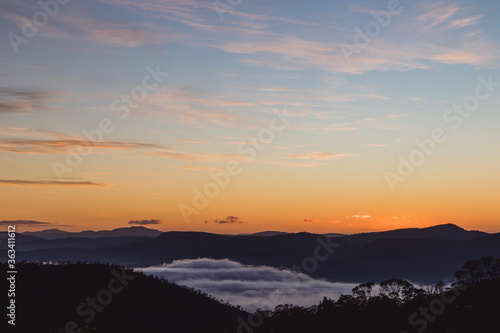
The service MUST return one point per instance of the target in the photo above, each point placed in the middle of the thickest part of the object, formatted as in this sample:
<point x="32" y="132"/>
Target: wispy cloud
<point x="380" y="123"/>
<point x="23" y="100"/>
<point x="400" y="115"/>
<point x="193" y="141"/>
<point x="320" y="155"/>
<point x="384" y="53"/>
<point x="59" y="143"/>
<point x="121" y="34"/>
<point x="31" y="146"/>
<point x="29" y="223"/>
<point x="200" y="157"/>
<point x="79" y="25"/>
<point x="445" y="15"/>
<point x="375" y="145"/>
<point x="294" y="164"/>
<point x="198" y="168"/>
<point x="48" y="183"/>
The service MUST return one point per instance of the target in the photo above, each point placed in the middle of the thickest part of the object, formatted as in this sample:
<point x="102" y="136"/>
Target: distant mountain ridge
<point x="137" y="231"/>
<point x="442" y="231"/>
<point x="268" y="233"/>
<point x="420" y="255"/>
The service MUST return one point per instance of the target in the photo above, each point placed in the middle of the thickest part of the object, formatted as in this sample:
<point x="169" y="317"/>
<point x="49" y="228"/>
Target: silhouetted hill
<point x="50" y="297"/>
<point x="268" y="233"/>
<point x="48" y="233"/>
<point x="137" y="231"/>
<point x="443" y="232"/>
<point x="333" y="234"/>
<point x="420" y="255"/>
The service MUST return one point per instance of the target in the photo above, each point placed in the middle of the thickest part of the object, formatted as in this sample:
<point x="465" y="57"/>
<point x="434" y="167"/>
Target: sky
<point x="242" y="116"/>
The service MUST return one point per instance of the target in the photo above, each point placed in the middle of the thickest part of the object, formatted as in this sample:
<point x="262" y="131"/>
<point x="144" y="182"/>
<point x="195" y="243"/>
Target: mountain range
<point x="120" y="232"/>
<point x="424" y="255"/>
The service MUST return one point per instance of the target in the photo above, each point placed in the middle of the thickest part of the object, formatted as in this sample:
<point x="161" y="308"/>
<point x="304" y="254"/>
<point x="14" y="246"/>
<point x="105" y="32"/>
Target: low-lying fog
<point x="251" y="287"/>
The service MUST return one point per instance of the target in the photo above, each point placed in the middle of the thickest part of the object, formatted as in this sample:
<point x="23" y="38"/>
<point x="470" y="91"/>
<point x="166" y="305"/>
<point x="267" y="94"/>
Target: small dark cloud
<point x="228" y="220"/>
<point x="144" y="222"/>
<point x="29" y="223"/>
<point x="309" y="220"/>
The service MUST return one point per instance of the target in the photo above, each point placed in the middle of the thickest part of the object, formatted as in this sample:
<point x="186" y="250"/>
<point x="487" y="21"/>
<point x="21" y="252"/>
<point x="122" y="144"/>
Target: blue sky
<point x="350" y="118"/>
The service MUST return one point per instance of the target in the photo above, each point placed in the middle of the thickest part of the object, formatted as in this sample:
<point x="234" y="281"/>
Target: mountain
<point x="137" y="231"/>
<point x="48" y="233"/>
<point x="268" y="233"/>
<point x="420" y="255"/>
<point x="443" y="232"/>
<point x="333" y="234"/>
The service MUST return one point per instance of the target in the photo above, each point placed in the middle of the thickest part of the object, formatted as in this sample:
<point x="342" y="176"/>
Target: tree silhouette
<point x="364" y="290"/>
<point x="474" y="271"/>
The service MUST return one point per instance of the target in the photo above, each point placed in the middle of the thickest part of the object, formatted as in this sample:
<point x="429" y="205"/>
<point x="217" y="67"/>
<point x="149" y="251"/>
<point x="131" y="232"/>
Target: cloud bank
<point x="251" y="287"/>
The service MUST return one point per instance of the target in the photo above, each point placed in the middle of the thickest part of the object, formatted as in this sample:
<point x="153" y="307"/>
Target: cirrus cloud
<point x="320" y="155"/>
<point x="29" y="223"/>
<point x="49" y="183"/>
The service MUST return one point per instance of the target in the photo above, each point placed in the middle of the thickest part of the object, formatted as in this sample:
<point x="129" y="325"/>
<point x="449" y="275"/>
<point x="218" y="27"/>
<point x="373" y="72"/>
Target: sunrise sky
<point x="350" y="106"/>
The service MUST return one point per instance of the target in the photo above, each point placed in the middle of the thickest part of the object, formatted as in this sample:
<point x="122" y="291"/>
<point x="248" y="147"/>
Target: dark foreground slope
<point x="103" y="298"/>
<point x="470" y="306"/>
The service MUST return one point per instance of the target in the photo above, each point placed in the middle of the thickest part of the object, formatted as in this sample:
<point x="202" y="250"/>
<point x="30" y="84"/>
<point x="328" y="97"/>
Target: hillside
<point x="50" y="297"/>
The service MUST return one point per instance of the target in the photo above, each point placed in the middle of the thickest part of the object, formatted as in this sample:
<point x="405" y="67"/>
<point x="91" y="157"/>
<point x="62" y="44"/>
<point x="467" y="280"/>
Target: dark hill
<point x="48" y="298"/>
<point x="443" y="232"/>
<point x="136" y="231"/>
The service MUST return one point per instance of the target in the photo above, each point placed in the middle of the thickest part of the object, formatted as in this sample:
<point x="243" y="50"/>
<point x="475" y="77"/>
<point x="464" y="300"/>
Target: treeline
<point x="95" y="297"/>
<point x="470" y="304"/>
